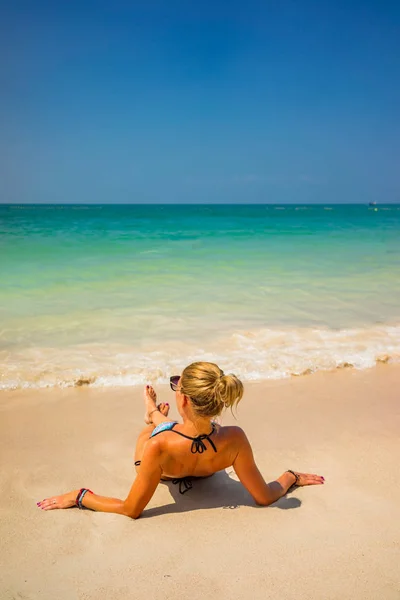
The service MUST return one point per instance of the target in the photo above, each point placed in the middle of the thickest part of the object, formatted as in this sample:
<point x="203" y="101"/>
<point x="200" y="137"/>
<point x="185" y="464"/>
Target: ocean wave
<point x="254" y="355"/>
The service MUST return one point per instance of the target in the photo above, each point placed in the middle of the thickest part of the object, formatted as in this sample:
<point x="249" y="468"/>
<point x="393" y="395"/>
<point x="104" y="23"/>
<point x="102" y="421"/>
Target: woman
<point x="197" y="447"/>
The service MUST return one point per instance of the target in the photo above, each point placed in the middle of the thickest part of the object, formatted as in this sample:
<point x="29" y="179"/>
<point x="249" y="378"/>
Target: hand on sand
<point x="309" y="479"/>
<point x="150" y="399"/>
<point x="63" y="501"/>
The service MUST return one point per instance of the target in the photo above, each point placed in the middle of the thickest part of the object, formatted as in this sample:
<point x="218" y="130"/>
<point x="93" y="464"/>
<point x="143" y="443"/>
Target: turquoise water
<point x="128" y="293"/>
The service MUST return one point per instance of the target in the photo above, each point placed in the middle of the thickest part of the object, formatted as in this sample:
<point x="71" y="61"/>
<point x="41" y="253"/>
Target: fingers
<point x="49" y="503"/>
<point x="310" y="479"/>
<point x="318" y="481"/>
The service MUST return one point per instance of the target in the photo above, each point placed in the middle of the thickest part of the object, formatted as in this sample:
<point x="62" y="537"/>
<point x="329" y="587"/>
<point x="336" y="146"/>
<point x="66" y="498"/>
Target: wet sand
<point x="331" y="542"/>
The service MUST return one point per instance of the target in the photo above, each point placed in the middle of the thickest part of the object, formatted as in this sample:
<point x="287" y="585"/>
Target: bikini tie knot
<point x="198" y="446"/>
<point x="185" y="484"/>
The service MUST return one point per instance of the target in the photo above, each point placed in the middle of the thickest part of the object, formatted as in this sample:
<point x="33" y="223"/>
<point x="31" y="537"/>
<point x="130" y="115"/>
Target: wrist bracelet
<point x="80" y="497"/>
<point x="295" y="476"/>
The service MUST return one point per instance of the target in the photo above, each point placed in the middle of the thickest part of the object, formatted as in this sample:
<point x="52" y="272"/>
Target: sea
<point x="118" y="295"/>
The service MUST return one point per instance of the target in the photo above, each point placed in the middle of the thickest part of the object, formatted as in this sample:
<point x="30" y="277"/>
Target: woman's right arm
<point x="139" y="496"/>
<point x="265" y="493"/>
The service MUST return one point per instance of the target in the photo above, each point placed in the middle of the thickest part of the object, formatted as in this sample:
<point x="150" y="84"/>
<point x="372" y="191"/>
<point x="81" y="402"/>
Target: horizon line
<point x="369" y="203"/>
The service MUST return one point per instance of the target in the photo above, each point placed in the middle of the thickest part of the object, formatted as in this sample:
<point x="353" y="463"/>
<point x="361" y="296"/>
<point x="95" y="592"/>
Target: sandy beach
<point x="331" y="542"/>
<point x="189" y="183"/>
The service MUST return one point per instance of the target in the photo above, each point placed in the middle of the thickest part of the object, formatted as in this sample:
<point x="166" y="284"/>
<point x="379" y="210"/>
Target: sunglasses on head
<point x="173" y="382"/>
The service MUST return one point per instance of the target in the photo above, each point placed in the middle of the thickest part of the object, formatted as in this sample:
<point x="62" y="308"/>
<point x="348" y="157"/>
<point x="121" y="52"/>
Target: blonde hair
<point x="209" y="389"/>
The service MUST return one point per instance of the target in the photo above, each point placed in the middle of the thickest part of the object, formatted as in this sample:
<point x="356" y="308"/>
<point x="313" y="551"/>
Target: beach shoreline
<point x="122" y="294"/>
<point x="328" y="542"/>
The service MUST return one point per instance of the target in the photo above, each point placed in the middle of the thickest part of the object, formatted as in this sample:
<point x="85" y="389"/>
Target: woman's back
<point x="183" y="454"/>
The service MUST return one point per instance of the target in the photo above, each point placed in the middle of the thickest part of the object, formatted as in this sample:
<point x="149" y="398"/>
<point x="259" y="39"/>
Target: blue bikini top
<point x="198" y="445"/>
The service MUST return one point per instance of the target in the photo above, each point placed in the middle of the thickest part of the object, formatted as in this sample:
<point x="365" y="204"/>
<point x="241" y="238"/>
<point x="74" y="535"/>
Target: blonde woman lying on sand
<point x="197" y="447"/>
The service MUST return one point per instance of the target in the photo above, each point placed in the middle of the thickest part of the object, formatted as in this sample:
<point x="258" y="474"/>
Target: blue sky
<point x="281" y="101"/>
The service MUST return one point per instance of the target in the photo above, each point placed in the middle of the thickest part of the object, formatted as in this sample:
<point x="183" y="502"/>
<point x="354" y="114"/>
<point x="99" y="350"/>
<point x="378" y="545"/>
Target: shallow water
<point x="126" y="294"/>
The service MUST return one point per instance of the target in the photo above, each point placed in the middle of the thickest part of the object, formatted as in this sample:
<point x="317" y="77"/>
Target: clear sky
<point x="208" y="101"/>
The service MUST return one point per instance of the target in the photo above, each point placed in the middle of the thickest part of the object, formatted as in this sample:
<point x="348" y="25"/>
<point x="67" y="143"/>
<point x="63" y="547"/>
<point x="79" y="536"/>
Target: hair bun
<point x="229" y="390"/>
<point x="209" y="389"/>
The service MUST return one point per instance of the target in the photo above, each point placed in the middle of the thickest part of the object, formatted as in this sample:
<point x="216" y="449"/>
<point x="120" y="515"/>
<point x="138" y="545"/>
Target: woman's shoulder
<point x="232" y="432"/>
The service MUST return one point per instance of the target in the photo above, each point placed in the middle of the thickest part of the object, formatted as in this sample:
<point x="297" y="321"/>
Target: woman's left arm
<point x="139" y="496"/>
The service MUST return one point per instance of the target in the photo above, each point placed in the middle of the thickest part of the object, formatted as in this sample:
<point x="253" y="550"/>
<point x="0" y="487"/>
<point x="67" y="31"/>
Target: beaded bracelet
<point x="80" y="497"/>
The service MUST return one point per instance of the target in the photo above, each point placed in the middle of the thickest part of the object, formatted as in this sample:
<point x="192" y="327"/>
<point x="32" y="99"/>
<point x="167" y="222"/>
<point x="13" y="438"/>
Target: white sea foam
<point x="253" y="355"/>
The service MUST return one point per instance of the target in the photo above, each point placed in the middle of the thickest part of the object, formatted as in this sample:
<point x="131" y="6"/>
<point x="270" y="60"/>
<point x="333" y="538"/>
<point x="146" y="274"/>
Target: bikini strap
<point x="198" y="445"/>
<point x="164" y="426"/>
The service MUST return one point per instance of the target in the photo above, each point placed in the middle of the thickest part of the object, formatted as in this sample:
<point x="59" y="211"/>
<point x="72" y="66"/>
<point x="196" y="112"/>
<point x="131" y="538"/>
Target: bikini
<point x="198" y="447"/>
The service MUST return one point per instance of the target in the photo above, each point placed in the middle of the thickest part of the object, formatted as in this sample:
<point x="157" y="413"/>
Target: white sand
<point x="337" y="541"/>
